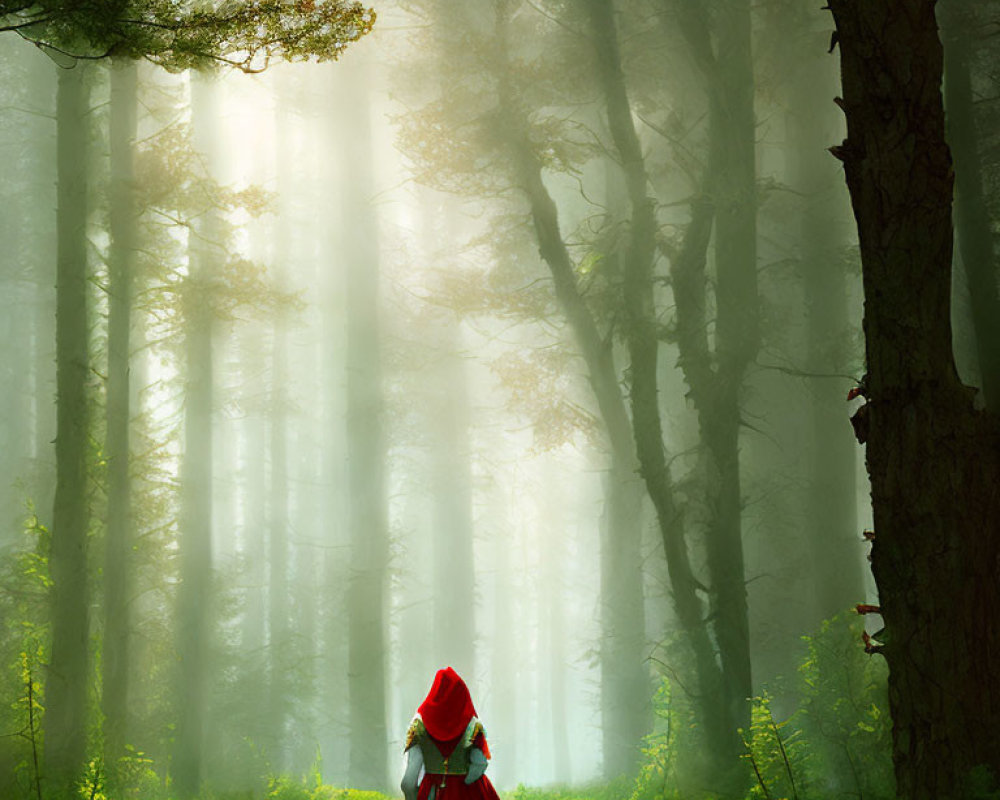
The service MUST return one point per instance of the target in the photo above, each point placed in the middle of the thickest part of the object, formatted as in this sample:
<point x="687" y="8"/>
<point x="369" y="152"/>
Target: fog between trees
<point x="517" y="340"/>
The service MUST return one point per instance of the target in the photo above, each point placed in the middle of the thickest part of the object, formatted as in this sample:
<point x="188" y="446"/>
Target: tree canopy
<point x="179" y="34"/>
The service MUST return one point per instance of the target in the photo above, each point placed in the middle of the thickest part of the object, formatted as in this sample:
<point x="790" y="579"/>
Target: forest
<point x="637" y="359"/>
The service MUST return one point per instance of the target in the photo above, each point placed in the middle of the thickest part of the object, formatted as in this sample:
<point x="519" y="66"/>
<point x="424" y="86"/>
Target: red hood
<point x="448" y="707"/>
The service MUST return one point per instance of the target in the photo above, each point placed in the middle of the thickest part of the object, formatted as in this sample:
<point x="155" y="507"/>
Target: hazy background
<point x="384" y="335"/>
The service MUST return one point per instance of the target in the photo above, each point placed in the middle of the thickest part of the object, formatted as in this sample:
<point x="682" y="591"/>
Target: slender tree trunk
<point x="932" y="458"/>
<point x="118" y="545"/>
<point x="834" y="537"/>
<point x="972" y="220"/>
<point x="733" y="187"/>
<point x="647" y="449"/>
<point x="625" y="684"/>
<point x="454" y="582"/>
<point x="727" y="71"/>
<point x="42" y="83"/>
<point x="279" y="639"/>
<point x="554" y="518"/>
<point x="15" y="363"/>
<point x="366" y="453"/>
<point x="253" y="485"/>
<point x="454" y="570"/>
<point x="66" y="687"/>
<point x="506" y="650"/>
<point x="334" y="738"/>
<point x="726" y="704"/>
<point x="194" y="596"/>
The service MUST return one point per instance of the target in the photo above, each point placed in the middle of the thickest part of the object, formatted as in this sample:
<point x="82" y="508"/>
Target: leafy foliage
<point x="24" y="636"/>
<point x="844" y="715"/>
<point x="180" y="34"/>
<point x="540" y="385"/>
<point x="776" y="753"/>
<point x="835" y="744"/>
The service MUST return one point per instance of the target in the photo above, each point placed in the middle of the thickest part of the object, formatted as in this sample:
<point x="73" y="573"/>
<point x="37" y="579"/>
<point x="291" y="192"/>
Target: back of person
<point x="448" y="742"/>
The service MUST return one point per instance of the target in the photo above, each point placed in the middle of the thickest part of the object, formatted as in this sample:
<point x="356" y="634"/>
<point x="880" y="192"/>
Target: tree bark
<point x="118" y="544"/>
<point x="66" y="687"/>
<point x="933" y="459"/>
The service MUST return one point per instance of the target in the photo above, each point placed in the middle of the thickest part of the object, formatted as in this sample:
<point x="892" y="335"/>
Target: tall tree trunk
<point x="623" y="733"/>
<point x="66" y="688"/>
<point x="726" y="694"/>
<point x="279" y="639"/>
<point x="42" y="83"/>
<point x="834" y="538"/>
<point x="727" y="71"/>
<point x="366" y="453"/>
<point x="732" y="184"/>
<point x="454" y="570"/>
<point x="118" y="544"/>
<point x="933" y="459"/>
<point x="194" y="599"/>
<point x="507" y="644"/>
<point x="553" y="556"/>
<point x="334" y="737"/>
<point x="972" y="220"/>
<point x="279" y="622"/>
<point x="254" y="502"/>
<point x="625" y="684"/>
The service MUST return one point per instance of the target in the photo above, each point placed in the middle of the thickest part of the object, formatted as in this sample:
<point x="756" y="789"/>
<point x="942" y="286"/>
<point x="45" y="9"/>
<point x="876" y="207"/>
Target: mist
<point x="519" y="337"/>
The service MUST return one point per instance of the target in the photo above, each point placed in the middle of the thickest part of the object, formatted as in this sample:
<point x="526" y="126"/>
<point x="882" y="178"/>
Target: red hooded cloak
<point x="448" y="707"/>
<point x="446" y="713"/>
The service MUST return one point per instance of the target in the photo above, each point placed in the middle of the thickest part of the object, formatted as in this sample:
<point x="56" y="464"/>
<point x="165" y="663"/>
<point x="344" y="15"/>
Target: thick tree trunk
<point x="66" y="687"/>
<point x="834" y="539"/>
<point x="194" y="599"/>
<point x="972" y="220"/>
<point x="118" y="544"/>
<point x="366" y="453"/>
<point x="933" y="460"/>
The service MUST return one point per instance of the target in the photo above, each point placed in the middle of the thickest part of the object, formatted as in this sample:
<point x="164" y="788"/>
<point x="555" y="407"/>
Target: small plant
<point x="92" y="785"/>
<point x="32" y="710"/>
<point x="776" y="752"/>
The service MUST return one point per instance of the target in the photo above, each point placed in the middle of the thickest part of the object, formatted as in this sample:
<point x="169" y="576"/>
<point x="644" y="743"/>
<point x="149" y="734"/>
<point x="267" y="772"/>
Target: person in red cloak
<point x="447" y="740"/>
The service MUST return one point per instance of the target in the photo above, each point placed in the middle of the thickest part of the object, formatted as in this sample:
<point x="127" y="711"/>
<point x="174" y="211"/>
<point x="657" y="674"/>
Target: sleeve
<point x="414" y="761"/>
